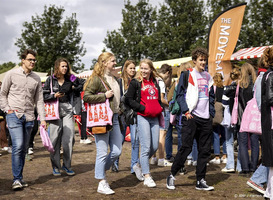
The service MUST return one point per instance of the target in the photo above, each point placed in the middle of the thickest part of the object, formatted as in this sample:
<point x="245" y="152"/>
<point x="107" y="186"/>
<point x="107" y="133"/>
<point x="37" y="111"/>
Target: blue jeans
<point x="169" y="140"/>
<point x="123" y="132"/>
<point x="248" y="165"/>
<point x="194" y="153"/>
<point x="260" y="175"/>
<point x="134" y="146"/>
<point x="19" y="130"/>
<point x="112" y="138"/>
<point x="148" y="132"/>
<point x="230" y="148"/>
<point x="217" y="131"/>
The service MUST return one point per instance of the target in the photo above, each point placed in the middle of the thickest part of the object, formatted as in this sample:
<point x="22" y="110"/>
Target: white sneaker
<point x="149" y="182"/>
<point x="189" y="162"/>
<point x="228" y="170"/>
<point x="224" y="160"/>
<point x="138" y="172"/>
<point x="85" y="141"/>
<point x="164" y="163"/>
<point x="215" y="161"/>
<point x="9" y="150"/>
<point x="30" y="151"/>
<point x="104" y="188"/>
<point x="5" y="148"/>
<point x="153" y="161"/>
<point x="194" y="163"/>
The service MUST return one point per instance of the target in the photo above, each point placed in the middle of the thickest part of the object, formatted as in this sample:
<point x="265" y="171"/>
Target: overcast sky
<point x="94" y="16"/>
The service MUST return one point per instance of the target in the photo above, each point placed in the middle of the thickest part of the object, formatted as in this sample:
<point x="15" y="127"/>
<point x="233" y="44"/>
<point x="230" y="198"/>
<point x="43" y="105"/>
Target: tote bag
<point x="234" y="114"/>
<point x="51" y="107"/>
<point x="46" y="140"/>
<point x="251" y="119"/>
<point x="99" y="115"/>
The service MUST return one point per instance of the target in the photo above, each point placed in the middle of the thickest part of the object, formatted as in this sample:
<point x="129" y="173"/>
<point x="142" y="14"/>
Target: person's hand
<point x="10" y="111"/>
<point x="59" y="95"/>
<point x="188" y="115"/>
<point x="109" y="94"/>
<point x="43" y="123"/>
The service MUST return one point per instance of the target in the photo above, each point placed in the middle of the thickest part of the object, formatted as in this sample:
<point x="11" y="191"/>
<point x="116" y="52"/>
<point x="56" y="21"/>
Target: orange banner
<point x="223" y="35"/>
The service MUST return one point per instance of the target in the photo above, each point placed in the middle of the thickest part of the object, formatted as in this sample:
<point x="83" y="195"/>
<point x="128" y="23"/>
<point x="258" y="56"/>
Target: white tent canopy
<point x="84" y="74"/>
<point x="247" y="53"/>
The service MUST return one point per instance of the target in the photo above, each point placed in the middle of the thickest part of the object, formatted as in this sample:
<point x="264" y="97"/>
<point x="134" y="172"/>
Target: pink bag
<point x="51" y="107"/>
<point x="234" y="115"/>
<point x="161" y="120"/>
<point x="251" y="119"/>
<point x="46" y="140"/>
<point x="99" y="114"/>
<point x="172" y="119"/>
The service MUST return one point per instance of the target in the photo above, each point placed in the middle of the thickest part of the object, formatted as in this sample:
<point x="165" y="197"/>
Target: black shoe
<point x="202" y="185"/>
<point x="246" y="174"/>
<point x="114" y="168"/>
<point x="171" y="159"/>
<point x="183" y="171"/>
<point x="170" y="182"/>
<point x="24" y="184"/>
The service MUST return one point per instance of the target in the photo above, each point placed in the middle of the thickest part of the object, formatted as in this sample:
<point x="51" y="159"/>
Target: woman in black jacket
<point x="62" y="130"/>
<point x="266" y="119"/>
<point x="143" y="97"/>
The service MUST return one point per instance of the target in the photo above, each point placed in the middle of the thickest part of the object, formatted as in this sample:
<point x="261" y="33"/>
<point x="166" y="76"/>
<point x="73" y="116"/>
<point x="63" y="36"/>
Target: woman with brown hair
<point x="218" y="130"/>
<point x="144" y="97"/>
<point x="62" y="130"/>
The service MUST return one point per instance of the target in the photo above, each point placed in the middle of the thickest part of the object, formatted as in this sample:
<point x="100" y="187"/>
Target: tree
<point x="131" y="40"/>
<point x="51" y="37"/>
<point x="257" y="29"/>
<point x="171" y="32"/>
<point x="215" y="7"/>
<point x="6" y="67"/>
<point x="181" y="26"/>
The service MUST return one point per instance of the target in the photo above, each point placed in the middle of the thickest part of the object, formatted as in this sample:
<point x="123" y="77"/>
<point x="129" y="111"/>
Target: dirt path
<point x="43" y="185"/>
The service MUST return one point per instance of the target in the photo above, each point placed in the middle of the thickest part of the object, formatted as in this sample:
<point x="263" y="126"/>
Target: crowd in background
<point x="152" y="105"/>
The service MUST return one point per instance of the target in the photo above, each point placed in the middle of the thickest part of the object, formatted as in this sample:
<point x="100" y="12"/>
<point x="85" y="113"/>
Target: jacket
<point x="66" y="88"/>
<point x="187" y="93"/>
<point x="266" y="118"/>
<point x="133" y="95"/>
<point x="245" y="94"/>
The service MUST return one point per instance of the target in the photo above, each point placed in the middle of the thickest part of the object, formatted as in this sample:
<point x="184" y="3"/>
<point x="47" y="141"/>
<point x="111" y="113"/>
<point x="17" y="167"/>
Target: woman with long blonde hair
<point x="95" y="92"/>
<point x="143" y="96"/>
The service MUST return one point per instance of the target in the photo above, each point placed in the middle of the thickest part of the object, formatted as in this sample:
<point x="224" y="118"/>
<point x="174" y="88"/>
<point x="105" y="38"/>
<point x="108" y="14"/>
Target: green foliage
<point x="133" y="38"/>
<point x="52" y="37"/>
<point x="178" y="26"/>
<point x="6" y="67"/>
<point x="257" y="29"/>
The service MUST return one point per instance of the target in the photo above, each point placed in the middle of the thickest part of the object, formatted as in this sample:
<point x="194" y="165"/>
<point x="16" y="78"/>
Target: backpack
<point x="174" y="106"/>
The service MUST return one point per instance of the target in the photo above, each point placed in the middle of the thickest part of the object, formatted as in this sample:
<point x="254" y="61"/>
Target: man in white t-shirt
<point x="195" y="96"/>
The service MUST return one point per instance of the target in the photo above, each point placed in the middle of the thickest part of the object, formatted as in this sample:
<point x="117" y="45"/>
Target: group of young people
<point x="144" y="94"/>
